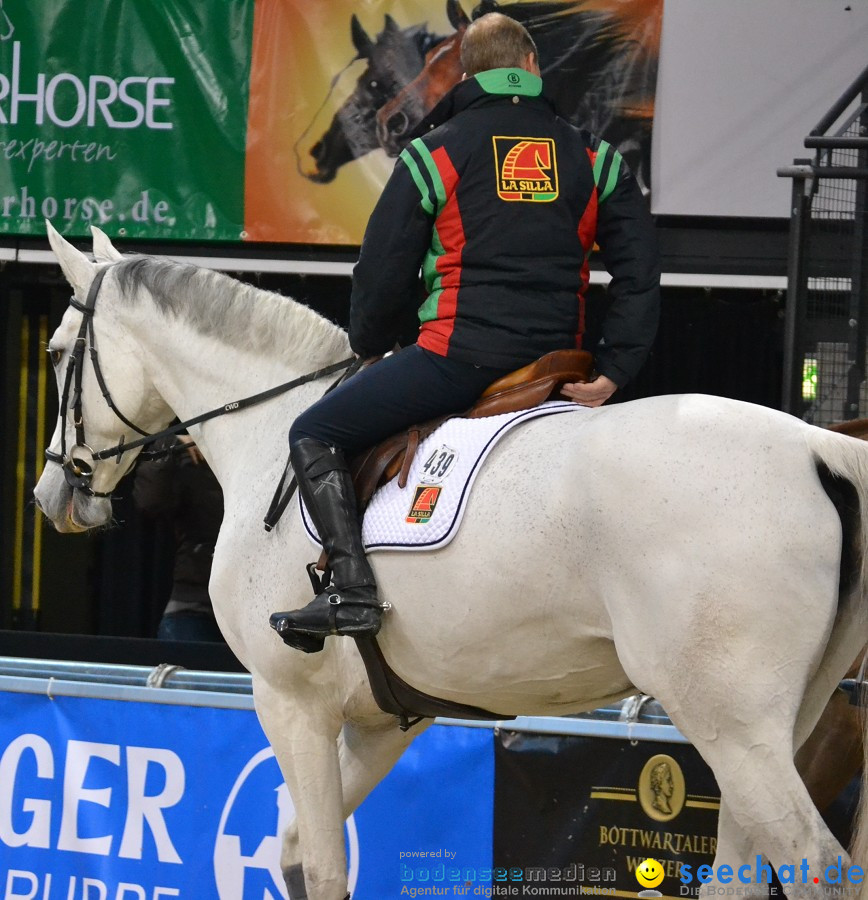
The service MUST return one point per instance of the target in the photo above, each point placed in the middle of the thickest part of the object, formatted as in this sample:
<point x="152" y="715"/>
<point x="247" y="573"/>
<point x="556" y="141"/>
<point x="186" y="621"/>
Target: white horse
<point x="704" y="551"/>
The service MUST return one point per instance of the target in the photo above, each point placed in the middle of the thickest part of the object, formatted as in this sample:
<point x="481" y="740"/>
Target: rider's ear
<point x="531" y="64"/>
<point x="77" y="268"/>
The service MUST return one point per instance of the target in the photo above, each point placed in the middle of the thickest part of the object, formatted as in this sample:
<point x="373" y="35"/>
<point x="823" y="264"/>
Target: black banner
<point x="578" y="815"/>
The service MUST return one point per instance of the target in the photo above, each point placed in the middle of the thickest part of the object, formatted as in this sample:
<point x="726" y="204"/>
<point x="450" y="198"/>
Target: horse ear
<point x="391" y="24"/>
<point x="361" y="41"/>
<point x="77" y="268"/>
<point x="486" y="6"/>
<point x="457" y="16"/>
<point x="103" y="249"/>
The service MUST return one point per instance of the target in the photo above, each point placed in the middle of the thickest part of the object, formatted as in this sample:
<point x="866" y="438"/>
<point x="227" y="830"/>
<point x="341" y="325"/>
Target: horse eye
<point x="55" y="356"/>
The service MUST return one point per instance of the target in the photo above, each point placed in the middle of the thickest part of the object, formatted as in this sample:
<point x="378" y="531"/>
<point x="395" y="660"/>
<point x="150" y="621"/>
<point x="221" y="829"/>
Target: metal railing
<point x="827" y="281"/>
<point x="636" y="718"/>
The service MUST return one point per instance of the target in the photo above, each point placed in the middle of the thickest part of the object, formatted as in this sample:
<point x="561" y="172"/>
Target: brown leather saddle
<point x="522" y="389"/>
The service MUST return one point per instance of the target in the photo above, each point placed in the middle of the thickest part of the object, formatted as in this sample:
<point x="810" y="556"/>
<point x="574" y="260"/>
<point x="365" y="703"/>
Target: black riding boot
<point x="349" y="606"/>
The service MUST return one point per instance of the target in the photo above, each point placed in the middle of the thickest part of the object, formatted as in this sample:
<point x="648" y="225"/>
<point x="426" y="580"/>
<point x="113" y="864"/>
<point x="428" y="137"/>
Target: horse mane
<point x="238" y="314"/>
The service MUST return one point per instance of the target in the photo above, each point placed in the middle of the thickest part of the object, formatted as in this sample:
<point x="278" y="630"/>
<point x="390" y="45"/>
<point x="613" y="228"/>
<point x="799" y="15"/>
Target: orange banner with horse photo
<point x="337" y="88"/>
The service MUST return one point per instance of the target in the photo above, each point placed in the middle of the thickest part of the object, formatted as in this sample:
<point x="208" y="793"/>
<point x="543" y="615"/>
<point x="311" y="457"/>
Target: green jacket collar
<point x="486" y="87"/>
<point x="509" y="81"/>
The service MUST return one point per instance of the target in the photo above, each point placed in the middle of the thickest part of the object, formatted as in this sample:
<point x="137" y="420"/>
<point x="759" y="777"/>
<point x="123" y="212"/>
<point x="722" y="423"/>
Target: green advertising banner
<point x="269" y="121"/>
<point x="127" y="114"/>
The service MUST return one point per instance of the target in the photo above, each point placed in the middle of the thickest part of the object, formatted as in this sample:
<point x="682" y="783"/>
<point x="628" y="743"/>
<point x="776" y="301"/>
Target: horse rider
<point x="500" y="203"/>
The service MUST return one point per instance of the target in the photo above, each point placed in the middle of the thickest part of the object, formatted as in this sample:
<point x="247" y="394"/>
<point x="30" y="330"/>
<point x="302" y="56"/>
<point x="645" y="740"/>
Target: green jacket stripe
<point x="600" y="161"/>
<point x="433" y="173"/>
<point x="612" y="180"/>
<point x="424" y="188"/>
<point x="432" y="278"/>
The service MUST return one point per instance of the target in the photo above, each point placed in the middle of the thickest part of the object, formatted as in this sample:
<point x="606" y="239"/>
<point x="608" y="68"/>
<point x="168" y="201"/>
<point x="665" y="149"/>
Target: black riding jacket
<point x="500" y="206"/>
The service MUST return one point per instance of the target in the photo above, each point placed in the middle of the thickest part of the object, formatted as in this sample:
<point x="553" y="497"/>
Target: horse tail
<point x="842" y="463"/>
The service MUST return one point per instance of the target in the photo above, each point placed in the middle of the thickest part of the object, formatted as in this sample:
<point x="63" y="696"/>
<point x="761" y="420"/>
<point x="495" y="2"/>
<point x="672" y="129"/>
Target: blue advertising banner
<point x="115" y="800"/>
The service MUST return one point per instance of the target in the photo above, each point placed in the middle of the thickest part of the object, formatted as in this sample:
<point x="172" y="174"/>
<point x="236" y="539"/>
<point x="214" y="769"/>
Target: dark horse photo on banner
<point x="322" y="131"/>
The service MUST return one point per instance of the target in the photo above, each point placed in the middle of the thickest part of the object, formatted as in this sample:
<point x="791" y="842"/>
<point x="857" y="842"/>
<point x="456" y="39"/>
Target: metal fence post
<point x="797" y="286"/>
<point x="859" y="277"/>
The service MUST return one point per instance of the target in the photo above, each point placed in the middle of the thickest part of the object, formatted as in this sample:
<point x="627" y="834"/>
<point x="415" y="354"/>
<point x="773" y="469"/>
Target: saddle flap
<point x="387" y="459"/>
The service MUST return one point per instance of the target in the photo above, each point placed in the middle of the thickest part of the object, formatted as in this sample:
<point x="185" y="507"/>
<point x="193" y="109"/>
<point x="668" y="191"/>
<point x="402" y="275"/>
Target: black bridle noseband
<point x="78" y="462"/>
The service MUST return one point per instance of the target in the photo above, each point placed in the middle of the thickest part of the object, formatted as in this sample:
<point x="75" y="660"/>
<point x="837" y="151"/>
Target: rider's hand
<point x="590" y="393"/>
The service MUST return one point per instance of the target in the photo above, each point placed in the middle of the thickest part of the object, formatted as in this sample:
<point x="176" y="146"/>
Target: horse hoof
<point x="307" y="643"/>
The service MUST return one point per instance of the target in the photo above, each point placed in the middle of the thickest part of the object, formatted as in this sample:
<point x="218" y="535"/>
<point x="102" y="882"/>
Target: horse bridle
<point x="79" y="461"/>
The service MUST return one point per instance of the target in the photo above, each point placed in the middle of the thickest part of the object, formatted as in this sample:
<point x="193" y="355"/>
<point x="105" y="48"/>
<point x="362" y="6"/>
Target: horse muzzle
<point x="78" y="467"/>
<point x="68" y="509"/>
<point x="323" y="172"/>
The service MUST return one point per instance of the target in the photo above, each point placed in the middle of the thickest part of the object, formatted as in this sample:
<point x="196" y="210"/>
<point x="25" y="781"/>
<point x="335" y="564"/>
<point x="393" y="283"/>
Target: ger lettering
<point x="30" y="757"/>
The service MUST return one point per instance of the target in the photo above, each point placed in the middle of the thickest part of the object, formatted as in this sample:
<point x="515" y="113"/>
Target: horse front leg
<point x="366" y="756"/>
<point x="303" y="734"/>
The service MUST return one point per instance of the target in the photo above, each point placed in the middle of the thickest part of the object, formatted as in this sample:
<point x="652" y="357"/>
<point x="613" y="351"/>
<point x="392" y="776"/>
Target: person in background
<point x="181" y="489"/>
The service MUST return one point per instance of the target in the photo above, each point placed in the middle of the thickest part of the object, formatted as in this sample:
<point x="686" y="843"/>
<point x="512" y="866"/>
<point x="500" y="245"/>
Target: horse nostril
<point x="397" y="124"/>
<point x="316" y="150"/>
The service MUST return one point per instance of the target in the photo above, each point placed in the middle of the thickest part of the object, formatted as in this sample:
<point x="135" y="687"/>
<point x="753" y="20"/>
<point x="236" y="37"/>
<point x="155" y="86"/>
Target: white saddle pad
<point x="427" y="512"/>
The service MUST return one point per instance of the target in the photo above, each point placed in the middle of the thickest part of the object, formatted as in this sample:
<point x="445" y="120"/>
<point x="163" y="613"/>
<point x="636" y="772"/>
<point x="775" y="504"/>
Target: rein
<point x="78" y="462"/>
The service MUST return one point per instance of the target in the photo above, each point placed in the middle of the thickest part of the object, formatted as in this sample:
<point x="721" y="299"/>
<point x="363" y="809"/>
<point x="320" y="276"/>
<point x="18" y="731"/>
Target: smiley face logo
<point x="649" y="873"/>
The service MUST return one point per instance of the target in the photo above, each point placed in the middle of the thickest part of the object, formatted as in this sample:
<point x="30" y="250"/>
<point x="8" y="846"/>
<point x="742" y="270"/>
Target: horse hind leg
<point x="766" y="801"/>
<point x="734" y="844"/>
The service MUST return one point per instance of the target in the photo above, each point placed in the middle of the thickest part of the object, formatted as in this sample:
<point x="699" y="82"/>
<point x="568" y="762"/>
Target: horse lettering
<point x="127" y="103"/>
